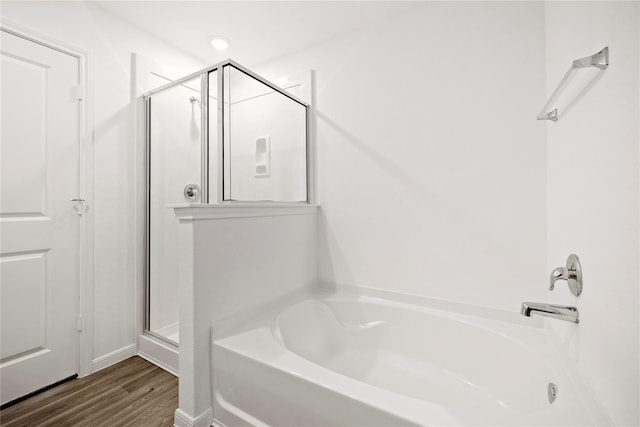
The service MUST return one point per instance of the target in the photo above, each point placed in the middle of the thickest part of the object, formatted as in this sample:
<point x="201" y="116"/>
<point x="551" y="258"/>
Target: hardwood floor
<point x="131" y="393"/>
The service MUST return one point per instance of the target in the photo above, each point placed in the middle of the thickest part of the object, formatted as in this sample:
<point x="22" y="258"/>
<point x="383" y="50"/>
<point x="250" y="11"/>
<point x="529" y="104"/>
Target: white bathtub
<point x="358" y="361"/>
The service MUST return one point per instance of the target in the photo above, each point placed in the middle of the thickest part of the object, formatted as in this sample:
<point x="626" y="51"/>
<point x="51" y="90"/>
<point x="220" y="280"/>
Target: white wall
<point x="431" y="165"/>
<point x="110" y="42"/>
<point x="593" y="195"/>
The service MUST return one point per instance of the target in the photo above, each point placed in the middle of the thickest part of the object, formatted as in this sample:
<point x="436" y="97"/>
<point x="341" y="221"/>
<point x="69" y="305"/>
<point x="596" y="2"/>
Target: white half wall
<point x="594" y="195"/>
<point x="431" y="165"/>
<point x="233" y="259"/>
<point x="110" y="42"/>
<point x="251" y="261"/>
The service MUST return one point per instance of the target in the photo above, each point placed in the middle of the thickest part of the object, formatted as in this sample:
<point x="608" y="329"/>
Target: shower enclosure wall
<point x="222" y="135"/>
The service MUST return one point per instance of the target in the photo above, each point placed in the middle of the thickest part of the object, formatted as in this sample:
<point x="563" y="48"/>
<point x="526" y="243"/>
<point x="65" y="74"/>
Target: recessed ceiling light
<point x="219" y="42"/>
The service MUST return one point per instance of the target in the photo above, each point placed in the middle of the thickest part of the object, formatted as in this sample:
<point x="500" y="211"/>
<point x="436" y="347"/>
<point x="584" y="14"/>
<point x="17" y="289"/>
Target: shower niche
<point x="223" y="135"/>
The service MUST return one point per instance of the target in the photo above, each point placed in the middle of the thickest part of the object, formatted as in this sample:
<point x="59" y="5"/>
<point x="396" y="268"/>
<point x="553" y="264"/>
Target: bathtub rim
<point x="238" y="322"/>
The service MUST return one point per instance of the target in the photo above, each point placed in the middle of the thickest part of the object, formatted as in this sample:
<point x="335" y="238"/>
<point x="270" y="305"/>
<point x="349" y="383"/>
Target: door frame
<point x="84" y="291"/>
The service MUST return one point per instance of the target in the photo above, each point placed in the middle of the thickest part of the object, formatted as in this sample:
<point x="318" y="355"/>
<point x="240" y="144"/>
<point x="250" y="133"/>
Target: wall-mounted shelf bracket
<point x="551" y="115"/>
<point x="598" y="60"/>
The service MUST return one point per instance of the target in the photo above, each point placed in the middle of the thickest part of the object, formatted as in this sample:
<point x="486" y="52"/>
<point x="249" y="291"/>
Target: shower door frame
<point x="204" y="173"/>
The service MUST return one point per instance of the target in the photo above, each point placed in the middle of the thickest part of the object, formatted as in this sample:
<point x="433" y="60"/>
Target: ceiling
<point x="259" y="30"/>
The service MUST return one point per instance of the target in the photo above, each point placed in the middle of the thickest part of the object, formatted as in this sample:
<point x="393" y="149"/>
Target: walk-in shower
<point x="222" y="135"/>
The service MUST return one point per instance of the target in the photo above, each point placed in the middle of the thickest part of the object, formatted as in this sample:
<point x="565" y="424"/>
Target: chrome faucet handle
<point x="560" y="273"/>
<point x="572" y="273"/>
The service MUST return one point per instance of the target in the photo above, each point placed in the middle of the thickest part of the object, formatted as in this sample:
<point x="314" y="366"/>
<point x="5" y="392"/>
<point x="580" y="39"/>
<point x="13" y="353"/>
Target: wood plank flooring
<point x="131" y="393"/>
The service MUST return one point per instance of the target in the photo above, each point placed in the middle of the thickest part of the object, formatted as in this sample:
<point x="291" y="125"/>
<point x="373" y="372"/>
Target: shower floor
<point x="170" y="332"/>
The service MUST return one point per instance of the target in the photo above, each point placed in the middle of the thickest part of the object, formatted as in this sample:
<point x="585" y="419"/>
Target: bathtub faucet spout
<point x="562" y="312"/>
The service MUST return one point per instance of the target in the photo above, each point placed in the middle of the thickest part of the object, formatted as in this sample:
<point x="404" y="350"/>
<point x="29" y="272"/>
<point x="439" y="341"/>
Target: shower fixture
<point x="572" y="273"/>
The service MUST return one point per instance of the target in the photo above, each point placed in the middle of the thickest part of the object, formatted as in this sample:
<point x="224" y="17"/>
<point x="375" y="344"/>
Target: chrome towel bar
<point x="599" y="60"/>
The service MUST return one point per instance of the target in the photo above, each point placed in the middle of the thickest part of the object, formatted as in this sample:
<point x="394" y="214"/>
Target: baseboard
<point x="113" y="357"/>
<point x="181" y="419"/>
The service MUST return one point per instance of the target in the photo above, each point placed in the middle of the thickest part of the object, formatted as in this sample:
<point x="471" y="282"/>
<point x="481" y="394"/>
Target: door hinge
<point x="80" y="323"/>
<point x="76" y="93"/>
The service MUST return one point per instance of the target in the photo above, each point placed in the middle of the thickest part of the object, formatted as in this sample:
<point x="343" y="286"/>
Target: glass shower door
<point x="174" y="168"/>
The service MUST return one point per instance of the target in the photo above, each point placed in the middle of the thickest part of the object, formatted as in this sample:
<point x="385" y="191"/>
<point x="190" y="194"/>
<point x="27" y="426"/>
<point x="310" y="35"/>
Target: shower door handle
<point x="192" y="192"/>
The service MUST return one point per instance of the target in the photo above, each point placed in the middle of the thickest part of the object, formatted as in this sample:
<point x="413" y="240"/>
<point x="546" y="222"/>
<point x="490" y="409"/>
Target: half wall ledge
<point x="194" y="212"/>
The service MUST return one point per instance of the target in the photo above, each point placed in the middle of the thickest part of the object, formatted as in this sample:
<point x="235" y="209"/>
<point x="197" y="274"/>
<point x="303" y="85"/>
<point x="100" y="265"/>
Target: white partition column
<point x="194" y="408"/>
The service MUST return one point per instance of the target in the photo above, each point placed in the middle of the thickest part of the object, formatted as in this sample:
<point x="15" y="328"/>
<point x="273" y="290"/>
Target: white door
<point x="39" y="171"/>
